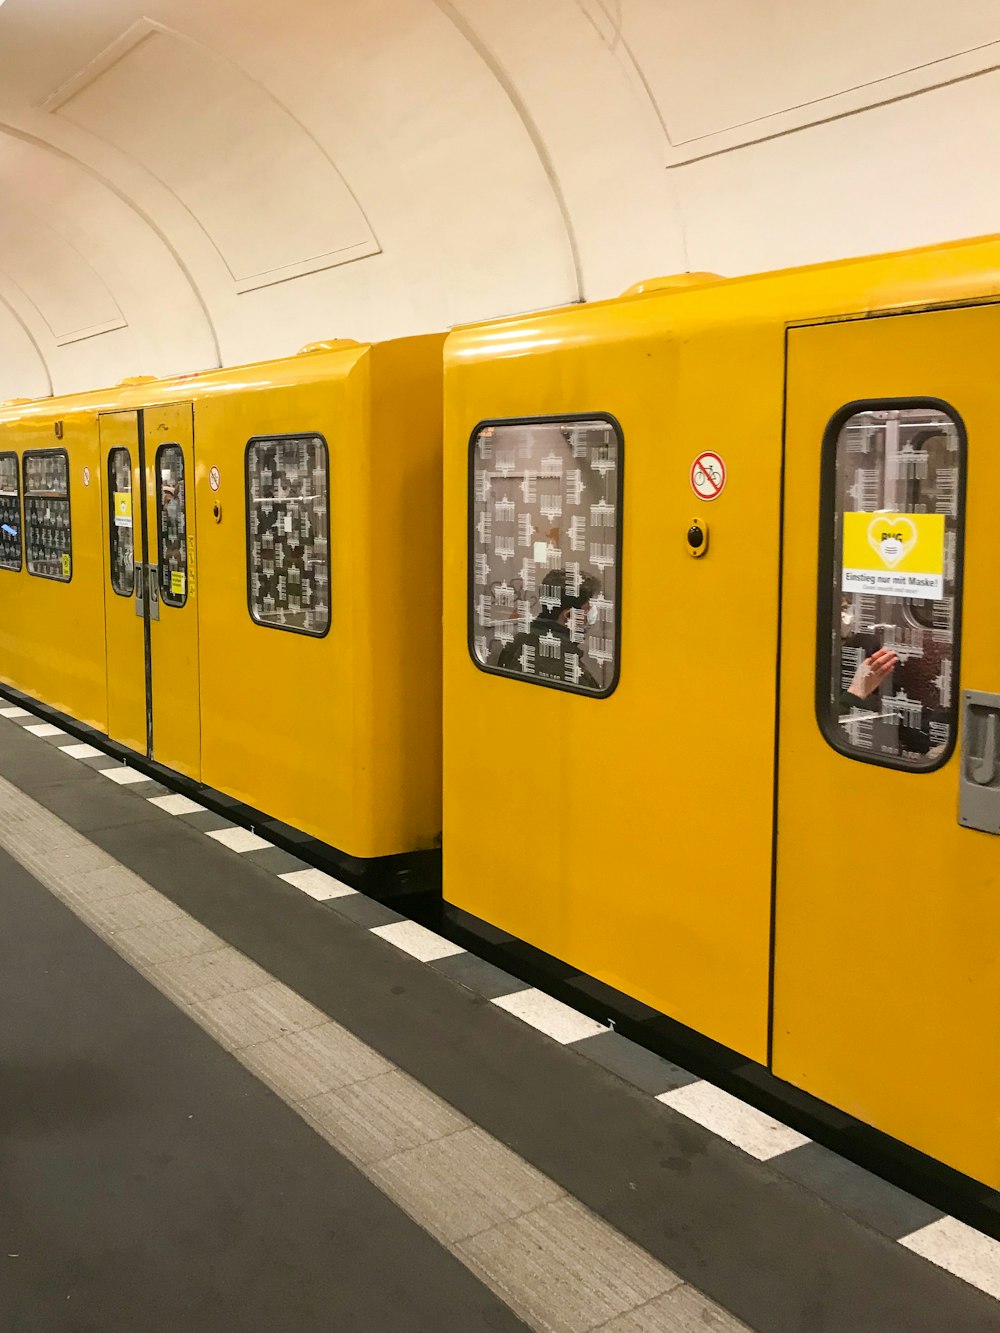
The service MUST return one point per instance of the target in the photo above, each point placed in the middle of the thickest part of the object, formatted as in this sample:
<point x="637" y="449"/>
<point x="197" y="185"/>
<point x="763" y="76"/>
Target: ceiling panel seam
<point x="615" y="40"/>
<point x="129" y="41"/>
<point x="834" y="117"/>
<point x="496" y="68"/>
<point x="38" y="141"/>
<point x="28" y="331"/>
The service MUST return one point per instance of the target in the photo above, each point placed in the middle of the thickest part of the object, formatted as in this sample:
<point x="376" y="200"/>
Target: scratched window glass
<point x="10" y="513"/>
<point x="896" y="531"/>
<point x="545" y="549"/>
<point x="172" y="510"/>
<point x="120" y="526"/>
<point x="48" y="538"/>
<point x="288" y="530"/>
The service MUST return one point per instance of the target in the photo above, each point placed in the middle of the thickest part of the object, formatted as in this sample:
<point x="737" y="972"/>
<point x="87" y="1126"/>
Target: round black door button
<point x="695" y="537"/>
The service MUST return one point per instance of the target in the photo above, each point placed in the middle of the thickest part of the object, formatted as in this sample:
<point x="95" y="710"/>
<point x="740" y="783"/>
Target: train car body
<point x="236" y="575"/>
<point x="680" y="775"/>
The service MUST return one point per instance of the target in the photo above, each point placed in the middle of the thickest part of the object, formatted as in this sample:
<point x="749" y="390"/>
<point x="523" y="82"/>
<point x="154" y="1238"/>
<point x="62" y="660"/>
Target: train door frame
<point x="169" y="640"/>
<point x="881" y="897"/>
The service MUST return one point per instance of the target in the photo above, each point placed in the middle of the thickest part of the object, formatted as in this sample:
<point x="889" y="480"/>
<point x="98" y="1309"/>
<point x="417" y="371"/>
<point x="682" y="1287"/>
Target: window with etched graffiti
<point x="48" y="534"/>
<point x="171" y="507"/>
<point x="120" y="527"/>
<point x="890" y="596"/>
<point x="545" y="549"/>
<point x="288" y="533"/>
<point x="10" y="513"/>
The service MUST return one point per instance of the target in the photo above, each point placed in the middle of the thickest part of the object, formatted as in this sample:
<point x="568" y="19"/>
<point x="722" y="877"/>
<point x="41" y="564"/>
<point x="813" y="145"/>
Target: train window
<point x="171" y="506"/>
<point x="120" y="512"/>
<point x="545" y="551"/>
<point x="10" y="513"/>
<point x="288" y="533"/>
<point x="890" y="592"/>
<point x="47" y="525"/>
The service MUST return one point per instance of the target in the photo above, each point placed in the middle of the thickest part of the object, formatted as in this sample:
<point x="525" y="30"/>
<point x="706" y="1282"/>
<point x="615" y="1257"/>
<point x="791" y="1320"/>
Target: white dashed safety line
<point x="124" y="776"/>
<point x="549" y="1015"/>
<point x="960" y="1249"/>
<point x="950" y="1244"/>
<point x="81" y="751"/>
<point x="317" y="884"/>
<point x="729" y="1117"/>
<point x="417" y="941"/>
<point x="176" y="804"/>
<point x="239" y="839"/>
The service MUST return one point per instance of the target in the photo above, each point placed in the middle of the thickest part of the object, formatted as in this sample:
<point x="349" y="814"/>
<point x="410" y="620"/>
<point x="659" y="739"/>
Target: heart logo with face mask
<point x="892" y="536"/>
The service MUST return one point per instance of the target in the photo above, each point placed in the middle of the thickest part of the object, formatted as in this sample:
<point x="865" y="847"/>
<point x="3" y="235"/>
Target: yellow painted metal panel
<point x="631" y="836"/>
<point x="887" y="982"/>
<point x="51" y="632"/>
<point x="339" y="735"/>
<point x="126" y="648"/>
<point x="174" y="636"/>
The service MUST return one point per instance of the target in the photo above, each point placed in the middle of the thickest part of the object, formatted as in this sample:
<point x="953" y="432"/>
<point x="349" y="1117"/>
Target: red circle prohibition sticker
<point x="708" y="475"/>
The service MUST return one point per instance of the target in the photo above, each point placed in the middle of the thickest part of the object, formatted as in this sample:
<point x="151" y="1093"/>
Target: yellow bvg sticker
<point x="894" y="555"/>
<point x="123" y="509"/>
<point x="65" y="566"/>
<point x="177" y="584"/>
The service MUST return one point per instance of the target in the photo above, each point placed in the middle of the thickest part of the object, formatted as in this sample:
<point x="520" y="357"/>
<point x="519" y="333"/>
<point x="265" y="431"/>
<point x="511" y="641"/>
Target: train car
<point x="722" y="668"/>
<point x="235" y="576"/>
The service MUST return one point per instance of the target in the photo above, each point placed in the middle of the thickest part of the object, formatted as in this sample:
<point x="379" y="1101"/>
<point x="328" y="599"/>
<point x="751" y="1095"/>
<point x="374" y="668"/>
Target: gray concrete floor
<point x="149" y="1182"/>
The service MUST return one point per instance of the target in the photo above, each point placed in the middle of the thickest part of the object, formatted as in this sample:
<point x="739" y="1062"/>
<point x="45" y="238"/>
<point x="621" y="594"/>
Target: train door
<point x="887" y="910"/>
<point x="152" y="619"/>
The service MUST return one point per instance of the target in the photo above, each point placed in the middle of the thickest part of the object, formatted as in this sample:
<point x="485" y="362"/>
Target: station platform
<point x="235" y="1094"/>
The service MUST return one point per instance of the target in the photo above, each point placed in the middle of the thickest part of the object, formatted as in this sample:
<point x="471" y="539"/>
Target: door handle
<point x="979" y="781"/>
<point x="146" y="582"/>
<point x="985" y="769"/>
<point x="153" y="575"/>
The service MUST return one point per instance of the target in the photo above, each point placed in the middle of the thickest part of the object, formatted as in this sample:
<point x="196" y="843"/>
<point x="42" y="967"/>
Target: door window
<point x="120" y="527"/>
<point x="891" y="560"/>
<point x="10" y="513"/>
<point x="545" y="551"/>
<point x="47" y="514"/>
<point x="171" y="507"/>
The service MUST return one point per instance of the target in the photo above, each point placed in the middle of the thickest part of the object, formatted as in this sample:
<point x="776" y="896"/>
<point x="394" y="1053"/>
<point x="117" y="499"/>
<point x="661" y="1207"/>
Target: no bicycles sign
<point x="708" y="475"/>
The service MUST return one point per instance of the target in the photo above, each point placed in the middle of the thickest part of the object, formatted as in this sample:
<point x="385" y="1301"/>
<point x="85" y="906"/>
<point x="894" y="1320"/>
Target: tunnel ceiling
<point x="187" y="183"/>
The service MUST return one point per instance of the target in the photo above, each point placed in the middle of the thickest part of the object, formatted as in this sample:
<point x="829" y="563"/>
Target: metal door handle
<point x="979" y="773"/>
<point x="986" y="768"/>
<point x="147" y="579"/>
<point x="153" y="575"/>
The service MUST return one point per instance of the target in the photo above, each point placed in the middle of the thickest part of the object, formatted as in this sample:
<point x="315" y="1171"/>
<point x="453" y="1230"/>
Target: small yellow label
<point x="894" y="555"/>
<point x="65" y="566"/>
<point x="123" y="509"/>
<point x="177" y="584"/>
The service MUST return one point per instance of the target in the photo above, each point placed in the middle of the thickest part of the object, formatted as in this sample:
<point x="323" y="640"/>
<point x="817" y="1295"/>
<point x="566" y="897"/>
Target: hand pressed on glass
<point x="872" y="671"/>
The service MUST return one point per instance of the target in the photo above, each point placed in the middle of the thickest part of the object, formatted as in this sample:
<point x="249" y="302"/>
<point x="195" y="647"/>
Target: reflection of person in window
<point x="556" y="633"/>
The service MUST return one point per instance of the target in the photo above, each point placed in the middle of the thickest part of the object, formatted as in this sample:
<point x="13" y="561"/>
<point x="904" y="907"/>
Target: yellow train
<point x="720" y="654"/>
<point x="210" y="575"/>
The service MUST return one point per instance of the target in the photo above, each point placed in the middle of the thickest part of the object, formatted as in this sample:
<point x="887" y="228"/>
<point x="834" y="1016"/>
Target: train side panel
<point x="276" y="715"/>
<point x="333" y="731"/>
<point x="52" y="628"/>
<point x="403" y="594"/>
<point x="629" y="835"/>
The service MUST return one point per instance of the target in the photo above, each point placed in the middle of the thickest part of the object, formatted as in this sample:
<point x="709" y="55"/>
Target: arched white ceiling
<point x="189" y="183"/>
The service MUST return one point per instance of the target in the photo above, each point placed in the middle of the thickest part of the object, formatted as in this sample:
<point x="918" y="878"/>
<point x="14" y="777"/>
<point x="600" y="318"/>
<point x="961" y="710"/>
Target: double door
<point x="887" y="913"/>
<point x="151" y="586"/>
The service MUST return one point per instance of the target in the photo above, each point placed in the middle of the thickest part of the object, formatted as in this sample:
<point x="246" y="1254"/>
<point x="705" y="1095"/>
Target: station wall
<point x="189" y="185"/>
